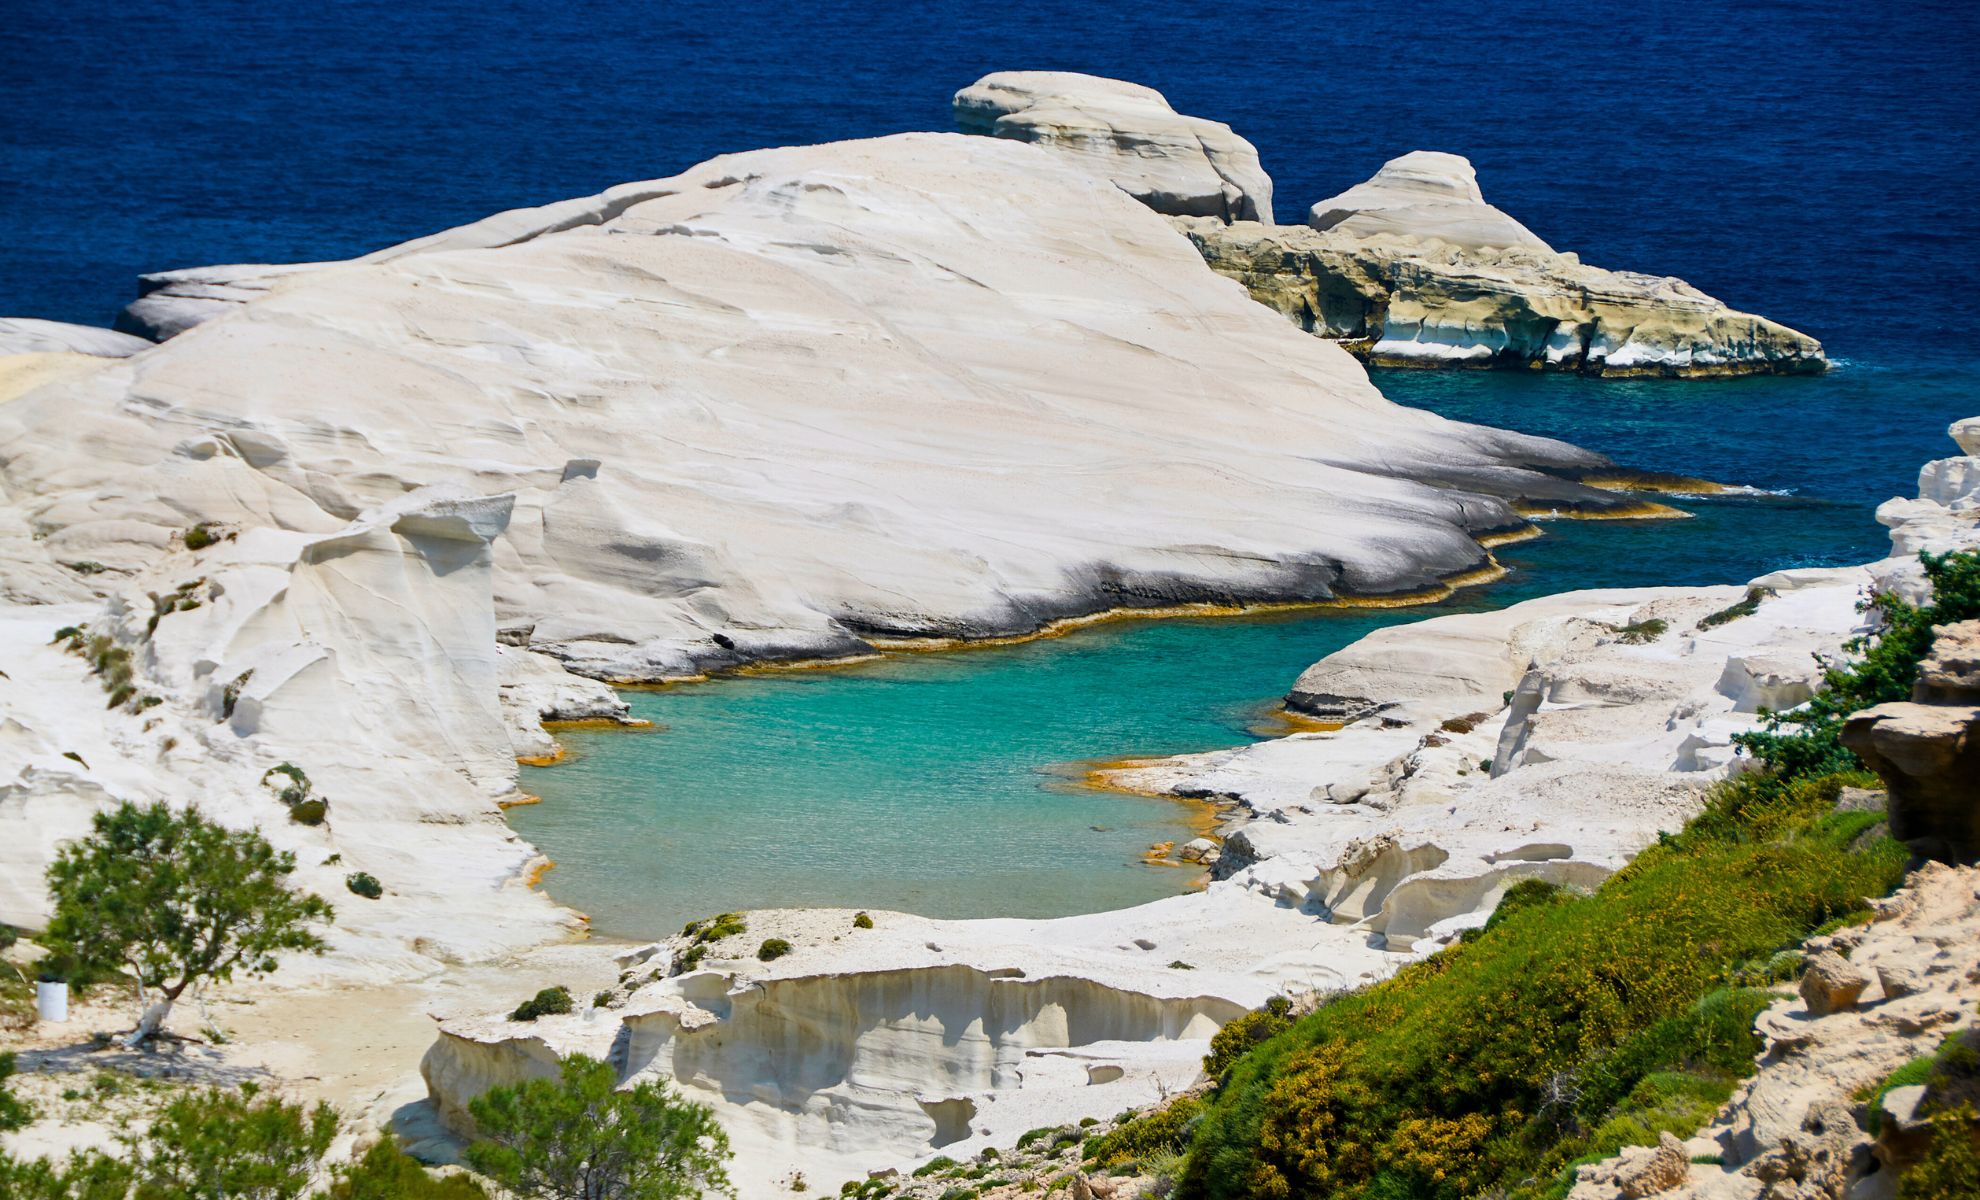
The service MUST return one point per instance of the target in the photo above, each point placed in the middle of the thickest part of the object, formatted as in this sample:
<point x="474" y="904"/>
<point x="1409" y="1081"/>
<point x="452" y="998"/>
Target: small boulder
<point x="1903" y="1133"/>
<point x="1855" y="799"/>
<point x="1832" y="984"/>
<point x="1899" y="982"/>
<point x="1648" y="1170"/>
<point x="1197" y="850"/>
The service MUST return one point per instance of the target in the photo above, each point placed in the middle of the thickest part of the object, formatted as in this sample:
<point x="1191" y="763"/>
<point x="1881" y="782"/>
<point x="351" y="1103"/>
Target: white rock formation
<point x="770" y="408"/>
<point x="1424" y="194"/>
<point x="363" y="653"/>
<point x="535" y="688"/>
<point x="171" y="302"/>
<point x="1127" y="133"/>
<point x="28" y="335"/>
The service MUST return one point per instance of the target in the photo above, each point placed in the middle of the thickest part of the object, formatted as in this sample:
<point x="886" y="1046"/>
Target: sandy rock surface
<point x="1401" y="297"/>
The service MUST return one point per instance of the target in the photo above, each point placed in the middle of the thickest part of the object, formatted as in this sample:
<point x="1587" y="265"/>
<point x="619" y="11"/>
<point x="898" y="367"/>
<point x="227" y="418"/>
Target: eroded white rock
<point x="1423" y="194"/>
<point x="769" y="409"/>
<point x="1127" y="133"/>
<point x="28" y="335"/>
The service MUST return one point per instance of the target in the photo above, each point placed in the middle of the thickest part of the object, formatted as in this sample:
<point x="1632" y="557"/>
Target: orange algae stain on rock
<point x="1507" y="537"/>
<point x="1653" y="481"/>
<point x="1642" y="510"/>
<point x="522" y="801"/>
<point x="600" y="723"/>
<point x="1279" y="721"/>
<point x="537" y="870"/>
<point x="543" y="760"/>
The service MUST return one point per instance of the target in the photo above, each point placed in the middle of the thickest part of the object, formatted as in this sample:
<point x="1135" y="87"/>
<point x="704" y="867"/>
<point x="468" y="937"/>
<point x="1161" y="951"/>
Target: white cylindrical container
<point x="51" y="1002"/>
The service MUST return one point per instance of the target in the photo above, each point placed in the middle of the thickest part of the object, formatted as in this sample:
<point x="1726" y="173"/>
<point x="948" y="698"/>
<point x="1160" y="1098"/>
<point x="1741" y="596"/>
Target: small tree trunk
<point x="150" y="1023"/>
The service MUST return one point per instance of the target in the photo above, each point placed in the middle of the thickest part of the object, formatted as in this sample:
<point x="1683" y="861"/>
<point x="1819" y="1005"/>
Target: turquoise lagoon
<point x="937" y="783"/>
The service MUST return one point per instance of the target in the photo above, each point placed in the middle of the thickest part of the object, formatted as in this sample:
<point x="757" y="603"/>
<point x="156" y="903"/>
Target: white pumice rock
<point x="28" y="335"/>
<point x="1966" y="432"/>
<point x="536" y="688"/>
<point x="171" y="302"/>
<point x="1125" y="133"/>
<point x="1952" y="482"/>
<point x="767" y="409"/>
<point x="1424" y="194"/>
<point x="363" y="654"/>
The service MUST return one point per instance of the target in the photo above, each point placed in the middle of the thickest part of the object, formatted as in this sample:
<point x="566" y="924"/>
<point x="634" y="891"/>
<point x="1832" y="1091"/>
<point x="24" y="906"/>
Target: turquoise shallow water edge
<point x="927" y="782"/>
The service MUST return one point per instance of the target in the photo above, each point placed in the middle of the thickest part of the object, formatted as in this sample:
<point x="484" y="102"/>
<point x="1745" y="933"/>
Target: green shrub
<point x="1950" y="1166"/>
<point x="1163" y="1130"/>
<point x="582" y="1136"/>
<point x="15" y="1113"/>
<point x="940" y="1162"/>
<point x="205" y="534"/>
<point x="726" y="925"/>
<point x="1527" y="893"/>
<point x="551" y="1001"/>
<point x="773" y="948"/>
<point x="363" y="883"/>
<point x="1641" y="632"/>
<point x="862" y="921"/>
<point x="385" y="1172"/>
<point x="1806" y="742"/>
<point x="701" y="933"/>
<point x="1031" y="1135"/>
<point x="1745" y="608"/>
<point x="601" y="1000"/>
<point x="1237" y="1037"/>
<point x="221" y="1142"/>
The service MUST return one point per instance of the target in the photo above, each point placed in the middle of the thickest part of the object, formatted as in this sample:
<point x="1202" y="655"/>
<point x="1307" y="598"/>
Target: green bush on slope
<point x="1573" y="1026"/>
<point x="1807" y="741"/>
<point x="1501" y="1059"/>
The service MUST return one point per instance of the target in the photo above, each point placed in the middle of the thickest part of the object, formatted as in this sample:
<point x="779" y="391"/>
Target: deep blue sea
<point x="1815" y="162"/>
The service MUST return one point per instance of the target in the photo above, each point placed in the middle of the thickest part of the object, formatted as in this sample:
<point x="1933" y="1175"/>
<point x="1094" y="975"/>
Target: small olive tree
<point x="239" y="1145"/>
<point x="173" y="899"/>
<point x="581" y="1138"/>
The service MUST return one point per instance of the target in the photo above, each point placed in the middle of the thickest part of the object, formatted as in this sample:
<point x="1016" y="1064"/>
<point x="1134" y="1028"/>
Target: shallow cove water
<point x="937" y="783"/>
